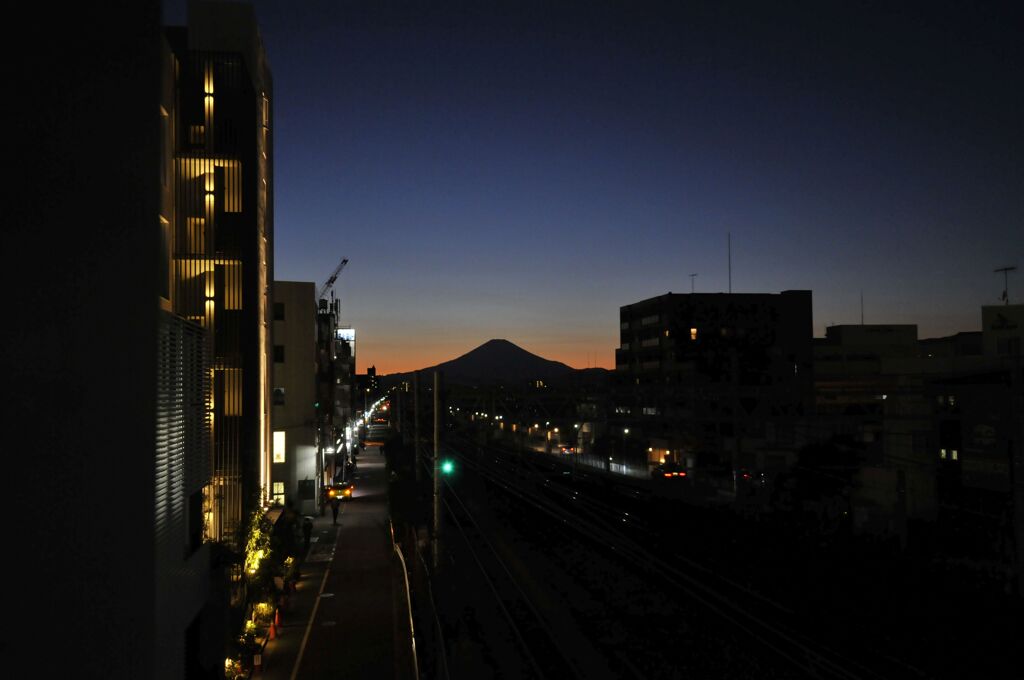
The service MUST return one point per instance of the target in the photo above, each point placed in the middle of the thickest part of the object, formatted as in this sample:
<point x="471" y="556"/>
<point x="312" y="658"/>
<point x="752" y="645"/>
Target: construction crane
<point x="334" y="276"/>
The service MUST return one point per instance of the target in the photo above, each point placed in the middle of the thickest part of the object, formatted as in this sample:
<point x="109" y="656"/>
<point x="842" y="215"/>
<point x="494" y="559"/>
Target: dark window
<point x="193" y="644"/>
<point x="278" y="354"/>
<point x="165" y="144"/>
<point x="278" y="396"/>
<point x="278" y="311"/>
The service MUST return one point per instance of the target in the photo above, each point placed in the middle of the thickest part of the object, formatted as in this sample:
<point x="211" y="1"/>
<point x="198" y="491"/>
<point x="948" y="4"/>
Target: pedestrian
<point x="335" y="506"/>
<point x="307" y="530"/>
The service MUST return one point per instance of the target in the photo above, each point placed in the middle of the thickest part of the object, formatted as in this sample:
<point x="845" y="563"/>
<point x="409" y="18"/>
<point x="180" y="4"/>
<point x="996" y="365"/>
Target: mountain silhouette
<point x="496" y="362"/>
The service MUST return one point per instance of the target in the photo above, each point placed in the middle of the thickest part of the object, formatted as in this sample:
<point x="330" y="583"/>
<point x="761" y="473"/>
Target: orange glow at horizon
<point x="406" y="359"/>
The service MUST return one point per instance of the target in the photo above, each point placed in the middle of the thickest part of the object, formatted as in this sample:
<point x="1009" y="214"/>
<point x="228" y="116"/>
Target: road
<point x="358" y="626"/>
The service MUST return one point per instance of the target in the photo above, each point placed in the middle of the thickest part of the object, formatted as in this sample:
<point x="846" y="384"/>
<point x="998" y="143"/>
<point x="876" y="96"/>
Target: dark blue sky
<point x="521" y="170"/>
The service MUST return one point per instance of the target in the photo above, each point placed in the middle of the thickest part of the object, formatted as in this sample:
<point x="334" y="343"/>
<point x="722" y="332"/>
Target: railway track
<point x="540" y="644"/>
<point x="613" y="530"/>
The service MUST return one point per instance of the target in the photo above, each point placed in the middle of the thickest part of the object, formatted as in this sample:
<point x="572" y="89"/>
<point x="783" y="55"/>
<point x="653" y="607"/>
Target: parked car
<point x="340" y="490"/>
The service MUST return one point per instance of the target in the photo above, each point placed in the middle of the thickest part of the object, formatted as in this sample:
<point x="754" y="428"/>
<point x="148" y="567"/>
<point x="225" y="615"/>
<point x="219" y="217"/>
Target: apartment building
<point x="220" y="240"/>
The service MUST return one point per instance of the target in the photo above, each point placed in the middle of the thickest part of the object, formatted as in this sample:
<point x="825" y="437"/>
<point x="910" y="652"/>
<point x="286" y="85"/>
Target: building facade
<point x="715" y="379"/>
<point x="185" y="596"/>
<point x="335" y="369"/>
<point x="220" y="241"/>
<point x="118" y="419"/>
<point x="936" y="424"/>
<point x="293" y="456"/>
<point x="872" y="402"/>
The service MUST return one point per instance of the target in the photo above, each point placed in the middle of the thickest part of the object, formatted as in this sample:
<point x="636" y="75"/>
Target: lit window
<point x="942" y="453"/>
<point x="953" y="454"/>
<point x="279" y="446"/>
<point x="229" y="381"/>
<point x="693" y="334"/>
<point x="278" y="496"/>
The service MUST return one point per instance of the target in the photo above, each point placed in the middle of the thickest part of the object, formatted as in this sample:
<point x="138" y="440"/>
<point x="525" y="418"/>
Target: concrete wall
<point x="1002" y="327"/>
<point x="79" y="336"/>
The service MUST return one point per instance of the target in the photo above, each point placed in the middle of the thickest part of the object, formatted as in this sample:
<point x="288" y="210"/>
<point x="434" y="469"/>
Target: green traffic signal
<point x="447" y="466"/>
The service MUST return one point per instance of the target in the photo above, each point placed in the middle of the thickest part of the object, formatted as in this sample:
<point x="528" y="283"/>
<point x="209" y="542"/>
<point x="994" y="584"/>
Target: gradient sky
<point x="521" y="170"/>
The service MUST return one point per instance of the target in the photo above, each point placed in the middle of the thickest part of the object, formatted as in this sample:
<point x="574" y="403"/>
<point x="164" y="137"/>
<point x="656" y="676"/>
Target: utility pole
<point x="692" y="277"/>
<point x="320" y="465"/>
<point x="437" y="469"/>
<point x="734" y="362"/>
<point x="416" y="424"/>
<point x="522" y="445"/>
<point x="398" y="405"/>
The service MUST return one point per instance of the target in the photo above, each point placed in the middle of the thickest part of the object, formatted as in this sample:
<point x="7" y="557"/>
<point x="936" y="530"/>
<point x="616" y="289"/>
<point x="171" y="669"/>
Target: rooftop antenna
<point x="729" y="241"/>
<point x="1006" y="282"/>
<point x="692" y="277"/>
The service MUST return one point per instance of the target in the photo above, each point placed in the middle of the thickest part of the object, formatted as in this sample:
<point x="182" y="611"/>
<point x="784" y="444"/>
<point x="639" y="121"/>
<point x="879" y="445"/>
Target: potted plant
<point x="233" y="668"/>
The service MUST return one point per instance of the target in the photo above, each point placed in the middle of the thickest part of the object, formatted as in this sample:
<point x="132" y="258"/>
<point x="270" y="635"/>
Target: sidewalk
<point x="280" y="654"/>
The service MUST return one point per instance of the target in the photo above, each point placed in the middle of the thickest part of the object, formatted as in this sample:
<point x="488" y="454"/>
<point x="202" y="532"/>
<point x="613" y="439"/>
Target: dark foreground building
<point x="715" y="378"/>
<point x="114" y="347"/>
<point x="81" y="341"/>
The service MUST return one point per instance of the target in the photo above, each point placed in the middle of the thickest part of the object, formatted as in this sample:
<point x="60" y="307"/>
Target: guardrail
<point x="408" y="600"/>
